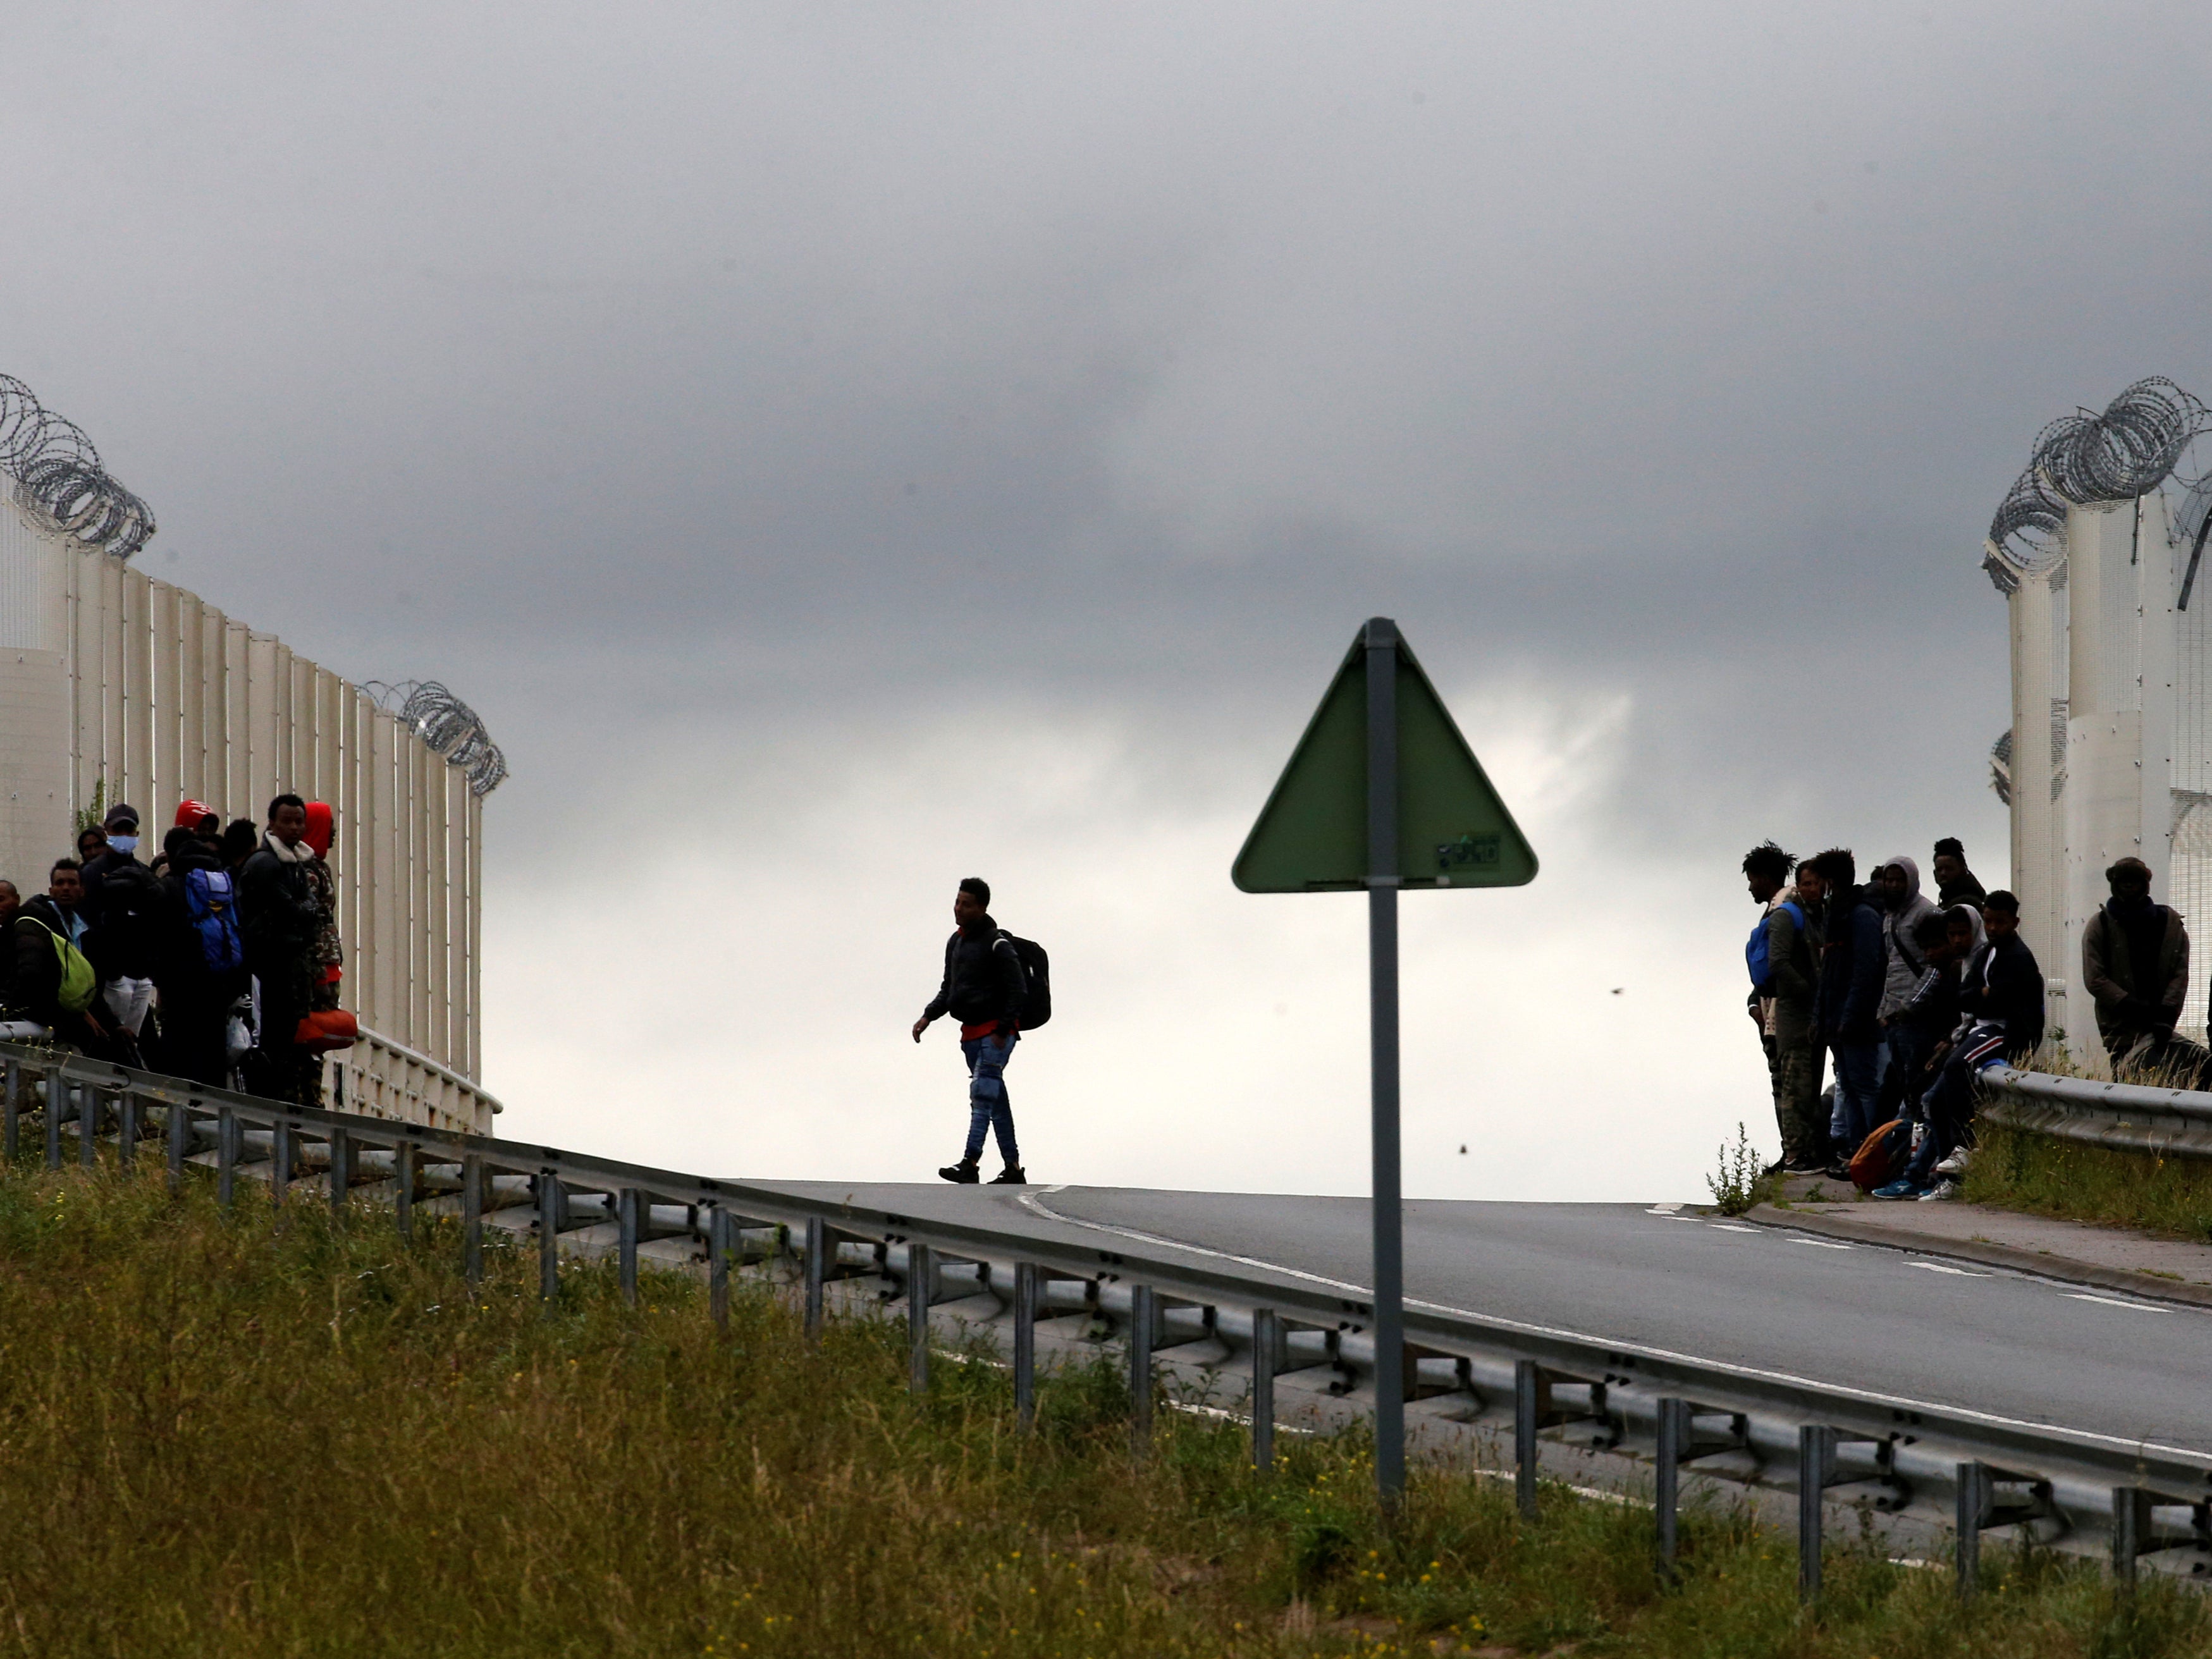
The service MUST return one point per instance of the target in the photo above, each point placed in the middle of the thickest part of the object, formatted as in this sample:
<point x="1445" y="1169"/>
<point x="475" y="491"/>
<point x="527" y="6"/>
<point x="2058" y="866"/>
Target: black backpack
<point x="1036" y="968"/>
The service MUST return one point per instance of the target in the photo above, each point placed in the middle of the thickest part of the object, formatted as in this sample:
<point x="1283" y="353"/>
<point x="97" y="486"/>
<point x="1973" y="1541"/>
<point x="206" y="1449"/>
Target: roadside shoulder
<point x="2033" y="1244"/>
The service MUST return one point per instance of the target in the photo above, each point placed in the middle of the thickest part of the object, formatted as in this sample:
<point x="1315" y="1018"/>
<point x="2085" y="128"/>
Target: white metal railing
<point x="384" y="1078"/>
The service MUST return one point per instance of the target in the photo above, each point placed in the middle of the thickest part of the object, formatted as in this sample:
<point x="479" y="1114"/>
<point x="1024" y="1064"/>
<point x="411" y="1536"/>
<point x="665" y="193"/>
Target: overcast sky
<point x="842" y="449"/>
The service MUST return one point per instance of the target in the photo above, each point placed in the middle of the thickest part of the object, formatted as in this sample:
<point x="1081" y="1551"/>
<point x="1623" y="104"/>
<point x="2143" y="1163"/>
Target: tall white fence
<point x="115" y="684"/>
<point x="2111" y="742"/>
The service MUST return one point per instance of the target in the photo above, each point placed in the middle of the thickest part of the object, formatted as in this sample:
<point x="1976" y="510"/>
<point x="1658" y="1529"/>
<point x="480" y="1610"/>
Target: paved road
<point x="1899" y="1324"/>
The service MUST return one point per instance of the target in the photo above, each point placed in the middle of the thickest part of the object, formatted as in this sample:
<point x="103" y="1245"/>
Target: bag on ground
<point x="1882" y="1155"/>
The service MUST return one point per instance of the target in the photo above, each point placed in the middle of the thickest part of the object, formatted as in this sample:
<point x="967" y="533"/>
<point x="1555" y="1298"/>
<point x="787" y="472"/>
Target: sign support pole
<point x="1382" y="639"/>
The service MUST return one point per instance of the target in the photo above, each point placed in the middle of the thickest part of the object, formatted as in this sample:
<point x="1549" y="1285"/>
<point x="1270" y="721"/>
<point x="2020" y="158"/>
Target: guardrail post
<point x="57" y="1091"/>
<point x="341" y="1173"/>
<point x="918" y="1276"/>
<point x="180" y="1129"/>
<point x="1674" y="1438"/>
<point x="2131" y="1531"/>
<point x="280" y="1159"/>
<point x="472" y="1219"/>
<point x="1267" y="1342"/>
<point x="402" y="1176"/>
<point x="226" y="1155"/>
<point x="626" y="1232"/>
<point x="817" y="1269"/>
<point x="1026" y="1318"/>
<point x="11" y="1109"/>
<point x="548" y="1235"/>
<point x="127" y="1114"/>
<point x="1816" y="1459"/>
<point x="1528" y="1405"/>
<point x="88" y="1116"/>
<point x="720" y="1241"/>
<point x="1144" y="1316"/>
<point x="1973" y="1488"/>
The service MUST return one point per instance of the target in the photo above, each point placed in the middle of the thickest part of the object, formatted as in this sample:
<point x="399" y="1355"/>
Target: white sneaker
<point x="1955" y="1164"/>
<point x="1941" y="1189"/>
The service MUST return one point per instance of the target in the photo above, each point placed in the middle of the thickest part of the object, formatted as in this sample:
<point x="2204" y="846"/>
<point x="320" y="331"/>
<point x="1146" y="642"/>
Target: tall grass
<point x="258" y="1434"/>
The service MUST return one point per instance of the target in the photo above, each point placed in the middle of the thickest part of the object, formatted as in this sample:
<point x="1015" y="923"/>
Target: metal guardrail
<point x="2128" y="1117"/>
<point x="1844" y="1443"/>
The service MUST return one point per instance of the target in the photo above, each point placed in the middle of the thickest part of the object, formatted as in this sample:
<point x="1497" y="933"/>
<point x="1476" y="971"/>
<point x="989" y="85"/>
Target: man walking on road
<point x="984" y="989"/>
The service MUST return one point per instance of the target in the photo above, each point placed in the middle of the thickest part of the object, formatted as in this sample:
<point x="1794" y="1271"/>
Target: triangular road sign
<point x="1453" y="830"/>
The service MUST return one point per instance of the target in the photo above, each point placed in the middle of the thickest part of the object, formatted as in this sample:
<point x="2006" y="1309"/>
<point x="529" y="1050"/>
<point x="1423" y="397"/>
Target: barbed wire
<point x="2088" y="460"/>
<point x="449" y="726"/>
<point x="58" y="476"/>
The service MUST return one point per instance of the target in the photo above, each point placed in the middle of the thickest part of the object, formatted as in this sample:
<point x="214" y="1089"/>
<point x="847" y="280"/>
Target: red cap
<point x="196" y="814"/>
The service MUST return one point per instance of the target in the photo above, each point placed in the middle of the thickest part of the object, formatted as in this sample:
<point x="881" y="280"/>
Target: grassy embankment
<point x="252" y="1435"/>
<point x="2041" y="1175"/>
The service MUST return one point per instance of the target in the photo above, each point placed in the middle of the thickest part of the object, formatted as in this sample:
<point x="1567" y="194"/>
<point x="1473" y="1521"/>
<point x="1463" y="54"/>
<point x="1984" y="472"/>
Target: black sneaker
<point x="963" y="1173"/>
<point x="1837" y="1169"/>
<point x="1012" y="1175"/>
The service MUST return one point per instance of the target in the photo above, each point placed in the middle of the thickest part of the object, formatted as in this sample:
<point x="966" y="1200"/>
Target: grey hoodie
<point x="1902" y="962"/>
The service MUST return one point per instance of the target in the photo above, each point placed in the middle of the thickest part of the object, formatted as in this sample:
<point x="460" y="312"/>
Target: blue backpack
<point x="1754" y="951"/>
<point x="213" y="909"/>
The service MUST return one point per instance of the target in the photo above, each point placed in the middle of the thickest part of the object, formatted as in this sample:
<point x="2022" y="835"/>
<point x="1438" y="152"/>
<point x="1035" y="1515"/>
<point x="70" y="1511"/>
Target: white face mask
<point x="126" y="845"/>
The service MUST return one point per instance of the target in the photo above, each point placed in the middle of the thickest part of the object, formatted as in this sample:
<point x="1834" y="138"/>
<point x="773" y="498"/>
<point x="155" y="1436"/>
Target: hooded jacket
<point x="2125" y="1009"/>
<point x="1902" y="958"/>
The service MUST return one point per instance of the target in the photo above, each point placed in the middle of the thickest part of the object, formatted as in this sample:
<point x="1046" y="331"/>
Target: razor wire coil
<point x="449" y="726"/>
<point x="58" y="476"/>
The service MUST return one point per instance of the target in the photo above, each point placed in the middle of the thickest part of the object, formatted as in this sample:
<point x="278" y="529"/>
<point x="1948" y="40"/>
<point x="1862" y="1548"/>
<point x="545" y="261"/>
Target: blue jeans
<point x="1858" y="1087"/>
<point x="988" y="1106"/>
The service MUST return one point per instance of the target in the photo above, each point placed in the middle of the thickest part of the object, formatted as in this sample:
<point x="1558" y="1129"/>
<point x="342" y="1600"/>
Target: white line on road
<point x="2115" y="1302"/>
<point x="1727" y="1367"/>
<point x="1824" y="1243"/>
<point x="1941" y="1267"/>
<point x="1727" y="1227"/>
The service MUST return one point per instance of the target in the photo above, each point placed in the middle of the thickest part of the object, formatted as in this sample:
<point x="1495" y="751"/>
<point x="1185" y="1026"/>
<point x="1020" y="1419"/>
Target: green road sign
<point x="1453" y="830"/>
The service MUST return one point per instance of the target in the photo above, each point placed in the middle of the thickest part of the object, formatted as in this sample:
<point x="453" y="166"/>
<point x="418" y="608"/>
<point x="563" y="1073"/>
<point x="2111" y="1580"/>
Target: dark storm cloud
<point x="708" y="370"/>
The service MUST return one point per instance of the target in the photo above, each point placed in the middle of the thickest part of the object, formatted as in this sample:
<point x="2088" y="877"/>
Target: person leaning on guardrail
<point x="2000" y="1007"/>
<point x="38" y="981"/>
<point x="2135" y="960"/>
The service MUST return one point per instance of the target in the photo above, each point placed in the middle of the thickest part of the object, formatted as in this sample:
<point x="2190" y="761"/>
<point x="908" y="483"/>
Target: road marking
<point x="2114" y="1301"/>
<point x="1729" y="1227"/>
<point x="1824" y="1243"/>
<point x="1667" y="1210"/>
<point x="1728" y="1368"/>
<point x="1941" y="1267"/>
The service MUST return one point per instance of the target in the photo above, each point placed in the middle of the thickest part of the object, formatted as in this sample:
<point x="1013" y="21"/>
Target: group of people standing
<point x="1909" y="997"/>
<point x="219" y="962"/>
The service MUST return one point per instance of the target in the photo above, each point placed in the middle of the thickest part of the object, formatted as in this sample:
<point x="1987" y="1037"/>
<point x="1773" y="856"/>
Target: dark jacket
<point x="1966" y="889"/>
<point x="127" y="908"/>
<point x="983" y="978"/>
<point x="2124" y="1009"/>
<point x="1852" y="966"/>
<point x="278" y="917"/>
<point x="33" y="967"/>
<point x="2013" y="996"/>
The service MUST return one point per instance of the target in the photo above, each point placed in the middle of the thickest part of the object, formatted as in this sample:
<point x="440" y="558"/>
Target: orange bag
<point x="1881" y="1157"/>
<point x="331" y="1028"/>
